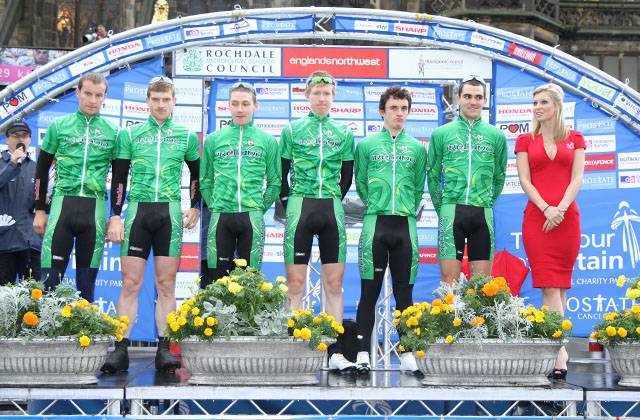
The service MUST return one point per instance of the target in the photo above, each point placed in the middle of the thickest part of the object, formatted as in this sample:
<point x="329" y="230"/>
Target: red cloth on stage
<point x="512" y="268"/>
<point x="553" y="254"/>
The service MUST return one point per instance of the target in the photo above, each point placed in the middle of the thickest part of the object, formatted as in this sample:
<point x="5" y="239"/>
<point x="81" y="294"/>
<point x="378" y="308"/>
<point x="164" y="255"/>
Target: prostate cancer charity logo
<point x="624" y="218"/>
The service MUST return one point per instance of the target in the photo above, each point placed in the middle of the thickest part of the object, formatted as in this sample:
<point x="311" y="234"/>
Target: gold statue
<point x="160" y="11"/>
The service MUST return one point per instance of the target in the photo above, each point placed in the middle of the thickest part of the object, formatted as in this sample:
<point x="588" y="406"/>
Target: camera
<point x="90" y="36"/>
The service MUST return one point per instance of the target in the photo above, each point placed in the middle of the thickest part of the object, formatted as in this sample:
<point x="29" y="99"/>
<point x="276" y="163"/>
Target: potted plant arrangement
<point x="52" y="337"/>
<point x="620" y="333"/>
<point x="238" y="330"/>
<point x="477" y="333"/>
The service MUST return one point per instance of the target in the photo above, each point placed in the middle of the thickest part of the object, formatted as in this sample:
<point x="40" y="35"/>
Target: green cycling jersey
<point x="235" y="163"/>
<point x="83" y="146"/>
<point x="157" y="154"/>
<point x="390" y="173"/>
<point x="316" y="147"/>
<point x="467" y="163"/>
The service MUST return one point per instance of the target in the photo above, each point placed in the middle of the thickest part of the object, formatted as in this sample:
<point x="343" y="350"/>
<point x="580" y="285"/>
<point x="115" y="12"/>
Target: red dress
<point x="552" y="254"/>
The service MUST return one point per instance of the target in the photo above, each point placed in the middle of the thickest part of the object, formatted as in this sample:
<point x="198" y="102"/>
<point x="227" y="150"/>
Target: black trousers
<point x="19" y="264"/>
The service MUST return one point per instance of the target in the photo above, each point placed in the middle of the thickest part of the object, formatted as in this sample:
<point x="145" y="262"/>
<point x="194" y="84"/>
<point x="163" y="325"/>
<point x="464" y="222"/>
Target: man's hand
<point x="17" y="154"/>
<point x="190" y="218"/>
<point x="40" y="222"/>
<point x="115" y="229"/>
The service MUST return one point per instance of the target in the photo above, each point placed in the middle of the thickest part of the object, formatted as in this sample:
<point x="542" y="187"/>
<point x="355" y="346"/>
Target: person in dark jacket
<point x="19" y="243"/>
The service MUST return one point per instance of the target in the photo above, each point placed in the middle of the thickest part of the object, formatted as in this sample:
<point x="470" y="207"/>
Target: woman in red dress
<point x="550" y="163"/>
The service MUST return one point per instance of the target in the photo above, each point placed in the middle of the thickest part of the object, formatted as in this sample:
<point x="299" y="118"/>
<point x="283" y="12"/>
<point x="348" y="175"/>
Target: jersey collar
<point x="388" y="133"/>
<point x="167" y="123"/>
<point x="84" y="117"/>
<point x="317" y="117"/>
<point x="234" y="125"/>
<point x="467" y="122"/>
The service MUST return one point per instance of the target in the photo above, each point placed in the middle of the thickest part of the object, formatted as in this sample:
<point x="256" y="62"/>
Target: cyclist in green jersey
<point x="390" y="173"/>
<point x="156" y="151"/>
<point x="83" y="145"/>
<point x="467" y="167"/>
<point x="319" y="153"/>
<point x="236" y="161"/>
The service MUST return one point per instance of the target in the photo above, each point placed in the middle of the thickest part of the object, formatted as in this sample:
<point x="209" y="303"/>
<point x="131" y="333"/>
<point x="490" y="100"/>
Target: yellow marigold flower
<point x="622" y="332"/>
<point x="544" y="308"/>
<point x="594" y="335"/>
<point x="447" y="308"/>
<point x="283" y="287"/>
<point x="457" y="322"/>
<point x="490" y="289"/>
<point x="171" y="316"/>
<point x="638" y="330"/>
<point x="449" y="339"/>
<point x="191" y="301"/>
<point x="66" y="313"/>
<point x="633" y="293"/>
<point x="198" y="321"/>
<point x="557" y="333"/>
<point x="291" y="323"/>
<point x="566" y="325"/>
<point x="182" y="321"/>
<point x="308" y="311"/>
<point x="417" y="331"/>
<point x="297" y="312"/>
<point x="195" y="311"/>
<point x="323" y="314"/>
<point x="281" y="279"/>
<point x="531" y="318"/>
<point x="305" y="333"/>
<point x="175" y="326"/>
<point x="234" y="287"/>
<point x="435" y="310"/>
<point x="296" y="333"/>
<point x="265" y="286"/>
<point x="420" y="353"/>
<point x="396" y="321"/>
<point x="30" y="318"/>
<point x="317" y="320"/>
<point x="84" y="341"/>
<point x="240" y="262"/>
<point x="82" y="303"/>
<point x="450" y="298"/>
<point x="411" y="322"/>
<point x="208" y="332"/>
<point x="401" y="348"/>
<point x="119" y="337"/>
<point x="36" y="293"/>
<point x="635" y="309"/>
<point x="621" y="280"/>
<point x="397" y="313"/>
<point x="436" y="302"/>
<point x="185" y="307"/>
<point x="322" y="347"/>
<point x="234" y="277"/>
<point x="478" y="321"/>
<point x="223" y="280"/>
<point x="211" y="321"/>
<point x="340" y="329"/>
<point x="610" y="316"/>
<point x="611" y="331"/>
<point x="469" y="292"/>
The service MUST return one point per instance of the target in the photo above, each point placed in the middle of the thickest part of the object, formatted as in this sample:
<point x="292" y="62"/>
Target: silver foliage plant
<point x="269" y="323"/>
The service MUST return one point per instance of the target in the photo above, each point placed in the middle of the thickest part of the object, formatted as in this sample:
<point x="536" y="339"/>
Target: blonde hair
<point x="560" y="129"/>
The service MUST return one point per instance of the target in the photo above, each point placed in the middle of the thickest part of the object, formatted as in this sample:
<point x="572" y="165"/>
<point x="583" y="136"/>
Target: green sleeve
<point x="193" y="146"/>
<point x="500" y="165"/>
<point x="434" y="173"/>
<point x="361" y="163"/>
<point x="273" y="175"/>
<point x="421" y="173"/>
<point x="285" y="142"/>
<point x="347" y="152"/>
<point x="124" y="144"/>
<point x="206" y="171"/>
<point x="50" y="142"/>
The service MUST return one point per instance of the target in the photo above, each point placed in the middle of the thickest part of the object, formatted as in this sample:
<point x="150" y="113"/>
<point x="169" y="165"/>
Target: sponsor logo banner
<point x="45" y="118"/>
<point x="111" y="107"/>
<point x="273" y="253"/>
<point x="414" y="29"/>
<point x="197" y="32"/>
<point x="374" y="127"/>
<point x="188" y="91"/>
<point x="629" y="160"/>
<point x="521" y="112"/>
<point x="18" y="101"/>
<point x="514" y="95"/>
<point x="512" y="169"/>
<point x="190" y="258"/>
<point x="428" y="219"/>
<point x="600" y="162"/>
<point x="428" y="255"/>
<point x="135" y="109"/>
<point x="630" y="106"/>
<point x="449" y="34"/>
<point x="163" y="39"/>
<point x="357" y="127"/>
<point x="189" y="116"/>
<point x="298" y="90"/>
<point x="272" y="109"/>
<point x="278" y="25"/>
<point x="599" y="181"/>
<point x="352" y="93"/>
<point x="273" y="235"/>
<point x="228" y="61"/>
<point x="240" y="27"/>
<point x="371" y="25"/>
<point x="273" y="127"/>
<point x="272" y="91"/>
<point x="524" y="54"/>
<point x="120" y="50"/>
<point x="589" y="126"/>
<point x="560" y="69"/>
<point x="421" y="130"/>
<point x="339" y="110"/>
<point x="135" y="91"/>
<point x="424" y="112"/>
<point x="629" y="179"/>
<point x="487" y="41"/>
<point x="49" y="81"/>
<point x="512" y="186"/>
<point x="597" y="88"/>
<point x="340" y="62"/>
<point x="436" y="64"/>
<point x="222" y="109"/>
<point x="185" y="282"/>
<point x="514" y="129"/>
<point x="601" y="143"/>
<point x="86" y="64"/>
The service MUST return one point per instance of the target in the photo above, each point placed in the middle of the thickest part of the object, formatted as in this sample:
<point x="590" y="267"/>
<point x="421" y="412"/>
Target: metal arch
<point x="320" y="14"/>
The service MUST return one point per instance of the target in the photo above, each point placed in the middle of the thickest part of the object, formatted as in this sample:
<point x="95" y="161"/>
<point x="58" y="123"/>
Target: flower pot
<point x="251" y="361"/>
<point x="490" y="363"/>
<point x="625" y="359"/>
<point x="46" y="361"/>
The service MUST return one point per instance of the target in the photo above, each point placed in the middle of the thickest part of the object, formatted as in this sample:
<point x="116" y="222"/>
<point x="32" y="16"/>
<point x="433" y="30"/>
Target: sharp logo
<point x="624" y="220"/>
